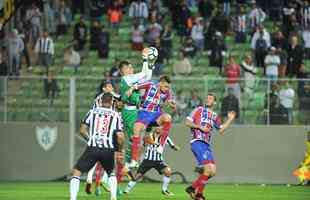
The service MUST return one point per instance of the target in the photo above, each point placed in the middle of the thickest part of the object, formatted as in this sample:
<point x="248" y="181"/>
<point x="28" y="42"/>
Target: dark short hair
<point x="104" y="83"/>
<point x="106" y="98"/>
<point x="212" y="94"/>
<point x="123" y="64"/>
<point x="165" y="78"/>
<point x="151" y="127"/>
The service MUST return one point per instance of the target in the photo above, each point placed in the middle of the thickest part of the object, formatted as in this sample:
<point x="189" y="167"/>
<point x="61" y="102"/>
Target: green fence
<point x="24" y="99"/>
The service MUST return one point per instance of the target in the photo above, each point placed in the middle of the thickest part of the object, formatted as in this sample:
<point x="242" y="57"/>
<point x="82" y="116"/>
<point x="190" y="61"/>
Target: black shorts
<point x="146" y="165"/>
<point x="93" y="154"/>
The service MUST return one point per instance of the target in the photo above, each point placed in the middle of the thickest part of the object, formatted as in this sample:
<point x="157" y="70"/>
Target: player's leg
<point x="98" y="172"/>
<point x="89" y="179"/>
<point x="129" y="118"/>
<point x="143" y="119"/>
<point x="105" y="181"/>
<point x="204" y="157"/>
<point x="144" y="167"/>
<point x="75" y="183"/>
<point x="107" y="161"/>
<point x="132" y="183"/>
<point x="133" y="141"/>
<point x="113" y="185"/>
<point x="165" y="121"/>
<point x="84" y="164"/>
<point x="166" y="181"/>
<point x="209" y="171"/>
<point x="119" y="168"/>
<point x="136" y="140"/>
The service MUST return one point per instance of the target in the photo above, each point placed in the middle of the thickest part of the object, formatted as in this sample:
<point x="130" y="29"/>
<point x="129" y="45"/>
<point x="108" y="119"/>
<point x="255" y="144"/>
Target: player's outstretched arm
<point x="230" y="118"/>
<point x="144" y="85"/>
<point x="146" y="70"/>
<point x="172" y="145"/>
<point x="172" y="104"/>
<point x="144" y="75"/>
<point x="84" y="131"/>
<point x="120" y="138"/>
<point x="134" y="97"/>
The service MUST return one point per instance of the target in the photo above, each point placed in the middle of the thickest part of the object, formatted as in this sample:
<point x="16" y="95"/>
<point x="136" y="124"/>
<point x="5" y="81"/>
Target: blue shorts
<point x="202" y="152"/>
<point x="148" y="118"/>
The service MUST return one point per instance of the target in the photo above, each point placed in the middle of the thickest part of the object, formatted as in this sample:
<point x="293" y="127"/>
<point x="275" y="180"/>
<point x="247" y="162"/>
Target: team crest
<point x="46" y="137"/>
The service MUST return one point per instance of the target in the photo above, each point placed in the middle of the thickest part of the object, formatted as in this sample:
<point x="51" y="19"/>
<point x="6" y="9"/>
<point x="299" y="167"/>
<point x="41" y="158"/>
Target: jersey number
<point x="102" y="124"/>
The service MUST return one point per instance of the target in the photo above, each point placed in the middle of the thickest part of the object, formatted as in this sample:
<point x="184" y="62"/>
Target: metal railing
<point x="24" y="99"/>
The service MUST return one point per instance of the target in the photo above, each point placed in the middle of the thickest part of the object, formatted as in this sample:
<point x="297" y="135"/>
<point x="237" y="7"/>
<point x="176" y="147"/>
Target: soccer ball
<point x="152" y="53"/>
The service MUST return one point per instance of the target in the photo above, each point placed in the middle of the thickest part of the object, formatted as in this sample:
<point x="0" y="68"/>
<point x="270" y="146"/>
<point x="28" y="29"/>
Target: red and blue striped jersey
<point x="204" y="117"/>
<point x="153" y="97"/>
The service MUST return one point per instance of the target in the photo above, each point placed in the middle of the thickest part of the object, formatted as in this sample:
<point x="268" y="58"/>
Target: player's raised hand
<point x="150" y="55"/>
<point x="231" y="115"/>
<point x="172" y="104"/>
<point x="145" y="54"/>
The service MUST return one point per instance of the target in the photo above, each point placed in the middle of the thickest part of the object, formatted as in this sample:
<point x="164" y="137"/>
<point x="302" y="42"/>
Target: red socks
<point x="119" y="172"/>
<point x="98" y="173"/>
<point x="166" y="129"/>
<point x="200" y="183"/>
<point x="135" y="147"/>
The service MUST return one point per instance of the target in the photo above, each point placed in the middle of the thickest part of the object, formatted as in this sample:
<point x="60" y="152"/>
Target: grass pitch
<point x="152" y="191"/>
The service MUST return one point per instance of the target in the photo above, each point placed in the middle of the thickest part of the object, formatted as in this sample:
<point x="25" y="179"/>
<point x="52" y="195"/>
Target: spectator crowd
<point x="277" y="33"/>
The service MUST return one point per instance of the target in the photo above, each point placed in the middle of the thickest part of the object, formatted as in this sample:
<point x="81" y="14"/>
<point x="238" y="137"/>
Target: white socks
<point x="105" y="178"/>
<point x="74" y="187"/>
<point x="166" y="181"/>
<point x="90" y="174"/>
<point x="130" y="186"/>
<point x="113" y="186"/>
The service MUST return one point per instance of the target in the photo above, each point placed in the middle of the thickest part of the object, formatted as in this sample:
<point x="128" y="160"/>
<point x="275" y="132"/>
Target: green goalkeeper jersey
<point x="133" y="99"/>
<point x="129" y="80"/>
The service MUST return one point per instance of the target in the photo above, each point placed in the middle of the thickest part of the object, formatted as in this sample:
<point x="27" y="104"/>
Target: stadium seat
<point x="11" y="116"/>
<point x="22" y="115"/>
<point x="31" y="92"/>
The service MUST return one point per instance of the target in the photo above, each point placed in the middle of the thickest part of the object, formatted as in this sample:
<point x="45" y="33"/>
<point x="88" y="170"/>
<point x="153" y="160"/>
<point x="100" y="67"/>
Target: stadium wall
<point x="256" y="154"/>
<point x="23" y="158"/>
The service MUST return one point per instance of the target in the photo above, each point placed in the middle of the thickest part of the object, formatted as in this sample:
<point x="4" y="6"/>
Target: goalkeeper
<point x="132" y="101"/>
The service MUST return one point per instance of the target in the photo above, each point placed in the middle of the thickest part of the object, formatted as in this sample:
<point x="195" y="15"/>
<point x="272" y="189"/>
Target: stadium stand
<point x="26" y="99"/>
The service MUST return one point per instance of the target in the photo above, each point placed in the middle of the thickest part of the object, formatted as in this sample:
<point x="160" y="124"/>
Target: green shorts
<point x="129" y="119"/>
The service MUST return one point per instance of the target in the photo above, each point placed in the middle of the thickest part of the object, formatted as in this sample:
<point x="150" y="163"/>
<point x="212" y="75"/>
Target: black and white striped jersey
<point x="103" y="124"/>
<point x="97" y="101"/>
<point x="151" y="153"/>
